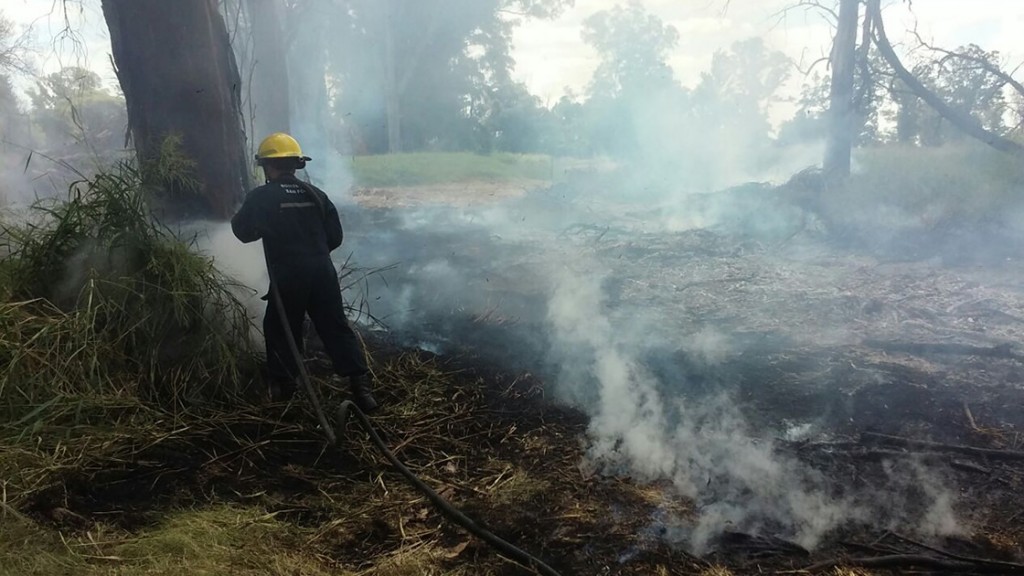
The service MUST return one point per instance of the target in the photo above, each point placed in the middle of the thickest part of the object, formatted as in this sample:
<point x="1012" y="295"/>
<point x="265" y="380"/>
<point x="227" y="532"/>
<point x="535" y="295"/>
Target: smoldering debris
<point x="702" y="447"/>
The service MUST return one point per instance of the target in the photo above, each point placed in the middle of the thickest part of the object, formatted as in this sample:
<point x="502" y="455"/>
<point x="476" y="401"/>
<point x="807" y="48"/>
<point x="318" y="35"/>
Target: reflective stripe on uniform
<point x="298" y="205"/>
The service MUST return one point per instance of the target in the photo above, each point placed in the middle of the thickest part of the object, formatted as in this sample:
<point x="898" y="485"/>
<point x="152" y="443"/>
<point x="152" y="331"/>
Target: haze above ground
<point x="551" y="56"/>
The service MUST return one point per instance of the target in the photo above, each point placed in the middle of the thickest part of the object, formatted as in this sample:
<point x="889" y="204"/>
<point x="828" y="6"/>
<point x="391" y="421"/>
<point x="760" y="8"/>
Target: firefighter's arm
<point x="332" y="224"/>
<point x="245" y="223"/>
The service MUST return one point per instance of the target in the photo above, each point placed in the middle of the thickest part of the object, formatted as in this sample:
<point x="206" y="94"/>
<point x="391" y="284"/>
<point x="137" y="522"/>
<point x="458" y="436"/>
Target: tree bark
<point x="392" y="87"/>
<point x="962" y="121"/>
<point x="841" y="113"/>
<point x="179" y="77"/>
<point x="309" y="102"/>
<point x="270" y="69"/>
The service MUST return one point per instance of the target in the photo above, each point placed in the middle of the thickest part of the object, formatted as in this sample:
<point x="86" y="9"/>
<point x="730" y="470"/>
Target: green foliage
<point x="100" y="301"/>
<point x="633" y="45"/>
<point x="632" y="95"/>
<point x="171" y="170"/>
<point x="737" y="92"/>
<point x="9" y="45"/>
<point x="961" y="77"/>
<point x="438" y="168"/>
<point x="71" y="105"/>
<point x="451" y="74"/>
<point x="964" y="83"/>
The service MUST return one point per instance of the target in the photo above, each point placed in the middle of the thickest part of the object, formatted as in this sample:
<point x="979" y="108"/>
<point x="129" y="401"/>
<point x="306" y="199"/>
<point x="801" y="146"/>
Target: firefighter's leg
<point x="327" y="311"/>
<point x="281" y="363"/>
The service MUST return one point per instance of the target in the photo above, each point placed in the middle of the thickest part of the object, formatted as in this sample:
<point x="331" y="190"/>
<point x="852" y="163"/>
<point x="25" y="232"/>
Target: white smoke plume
<point x="654" y="430"/>
<point x="244" y="264"/>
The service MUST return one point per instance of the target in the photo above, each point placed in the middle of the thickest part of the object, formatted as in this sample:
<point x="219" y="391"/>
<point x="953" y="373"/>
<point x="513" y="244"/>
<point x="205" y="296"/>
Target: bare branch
<point x="808" y="5"/>
<point x="965" y="122"/>
<point x="810" y="68"/>
<point x="981" y="62"/>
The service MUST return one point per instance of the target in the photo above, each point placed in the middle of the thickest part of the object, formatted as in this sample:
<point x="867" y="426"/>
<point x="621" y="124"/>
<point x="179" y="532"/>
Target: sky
<point x="551" y="55"/>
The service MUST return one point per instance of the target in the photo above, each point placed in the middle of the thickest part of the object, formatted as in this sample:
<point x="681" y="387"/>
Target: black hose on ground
<point x="446" y="508"/>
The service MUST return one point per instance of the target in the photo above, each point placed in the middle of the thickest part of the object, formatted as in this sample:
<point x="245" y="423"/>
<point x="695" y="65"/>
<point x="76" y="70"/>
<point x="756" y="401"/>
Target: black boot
<point x="360" y="387"/>
<point x="282" y="390"/>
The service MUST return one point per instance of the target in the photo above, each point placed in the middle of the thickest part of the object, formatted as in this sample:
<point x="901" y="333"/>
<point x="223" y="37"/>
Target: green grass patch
<point x="442" y="168"/>
<point x="221" y="539"/>
<point x="966" y="184"/>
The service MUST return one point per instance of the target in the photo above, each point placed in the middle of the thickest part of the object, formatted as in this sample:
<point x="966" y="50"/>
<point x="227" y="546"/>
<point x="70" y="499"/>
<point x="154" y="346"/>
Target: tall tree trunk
<point x="309" y="101"/>
<point x="392" y="87"/>
<point x="841" y="113"/>
<point x="961" y="120"/>
<point x="270" y="70"/>
<point x="179" y="77"/>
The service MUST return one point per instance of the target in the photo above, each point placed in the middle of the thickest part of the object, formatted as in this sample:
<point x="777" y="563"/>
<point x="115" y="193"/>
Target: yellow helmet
<point x="280" y="145"/>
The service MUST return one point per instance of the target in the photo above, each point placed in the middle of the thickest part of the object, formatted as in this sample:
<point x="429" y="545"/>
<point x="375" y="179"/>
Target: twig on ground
<point x="937" y="446"/>
<point x="915" y="560"/>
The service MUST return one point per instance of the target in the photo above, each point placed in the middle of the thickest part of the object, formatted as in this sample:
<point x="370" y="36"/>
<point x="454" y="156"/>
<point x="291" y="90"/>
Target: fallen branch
<point x="915" y="561"/>
<point x="1011" y="566"/>
<point x="970" y="467"/>
<point x="761" y="544"/>
<point x="857" y="451"/>
<point x="963" y="121"/>
<point x="1000" y="351"/>
<point x="937" y="446"/>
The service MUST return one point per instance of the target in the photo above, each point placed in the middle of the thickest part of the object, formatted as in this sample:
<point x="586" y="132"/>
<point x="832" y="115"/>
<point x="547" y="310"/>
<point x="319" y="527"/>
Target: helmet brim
<point x="261" y="160"/>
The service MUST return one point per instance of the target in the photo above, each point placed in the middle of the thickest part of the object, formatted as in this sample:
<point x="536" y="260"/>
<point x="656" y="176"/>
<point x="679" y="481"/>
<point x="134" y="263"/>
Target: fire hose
<point x="342" y="415"/>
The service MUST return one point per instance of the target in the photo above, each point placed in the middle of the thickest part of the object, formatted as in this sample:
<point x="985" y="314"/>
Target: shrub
<point x="102" y="301"/>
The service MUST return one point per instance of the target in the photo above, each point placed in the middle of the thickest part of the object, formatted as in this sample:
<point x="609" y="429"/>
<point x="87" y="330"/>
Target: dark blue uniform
<point x="300" y="226"/>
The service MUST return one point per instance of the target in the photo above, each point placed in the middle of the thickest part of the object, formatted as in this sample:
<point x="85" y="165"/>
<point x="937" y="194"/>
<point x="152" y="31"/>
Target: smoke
<point x="16" y="189"/>
<point x="244" y="264"/>
<point x="663" y="428"/>
<point x="616" y="359"/>
<point x="923" y="490"/>
<point x="647" y="419"/>
<point x="653" y="430"/>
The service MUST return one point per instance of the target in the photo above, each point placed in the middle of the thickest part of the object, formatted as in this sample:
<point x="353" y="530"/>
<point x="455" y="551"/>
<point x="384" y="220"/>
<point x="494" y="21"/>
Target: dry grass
<point x="716" y="571"/>
<point x="424" y="560"/>
<point x="839" y="571"/>
<point x="252" y="492"/>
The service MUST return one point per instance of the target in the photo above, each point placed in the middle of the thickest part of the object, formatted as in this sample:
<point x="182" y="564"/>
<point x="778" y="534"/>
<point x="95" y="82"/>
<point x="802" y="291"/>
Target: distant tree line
<point x="379" y="76"/>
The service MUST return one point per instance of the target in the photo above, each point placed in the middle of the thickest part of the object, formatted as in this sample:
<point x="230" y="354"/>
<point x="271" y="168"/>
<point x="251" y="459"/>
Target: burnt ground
<point x="842" y="356"/>
<point x="828" y="342"/>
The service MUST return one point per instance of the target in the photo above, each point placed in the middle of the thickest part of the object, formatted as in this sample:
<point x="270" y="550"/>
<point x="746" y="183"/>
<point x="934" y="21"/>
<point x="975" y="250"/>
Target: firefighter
<point x="300" y="226"/>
